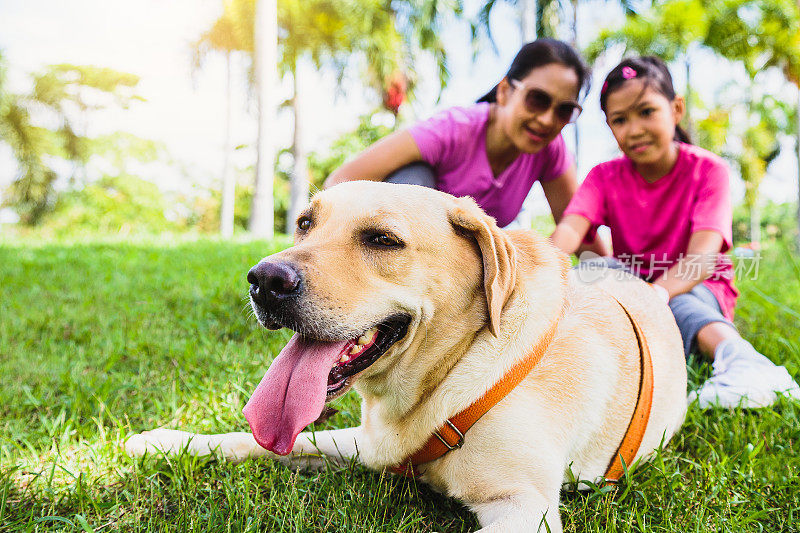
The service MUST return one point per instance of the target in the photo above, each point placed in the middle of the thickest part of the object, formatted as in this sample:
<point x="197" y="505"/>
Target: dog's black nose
<point x="272" y="281"/>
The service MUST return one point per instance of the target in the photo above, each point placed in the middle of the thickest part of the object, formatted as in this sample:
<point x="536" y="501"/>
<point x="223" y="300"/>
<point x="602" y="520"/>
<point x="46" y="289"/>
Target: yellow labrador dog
<point x="419" y="301"/>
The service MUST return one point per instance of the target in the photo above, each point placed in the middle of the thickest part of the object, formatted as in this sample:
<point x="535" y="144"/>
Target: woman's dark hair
<point x="653" y="73"/>
<point x="540" y="53"/>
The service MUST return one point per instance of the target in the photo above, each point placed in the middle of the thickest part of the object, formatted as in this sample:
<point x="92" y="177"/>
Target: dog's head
<point x="373" y="266"/>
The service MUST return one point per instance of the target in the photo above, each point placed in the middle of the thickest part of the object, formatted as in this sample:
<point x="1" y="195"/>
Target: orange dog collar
<point x="450" y="436"/>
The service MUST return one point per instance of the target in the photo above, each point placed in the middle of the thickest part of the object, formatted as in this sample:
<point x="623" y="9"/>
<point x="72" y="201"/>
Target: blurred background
<point x="122" y="118"/>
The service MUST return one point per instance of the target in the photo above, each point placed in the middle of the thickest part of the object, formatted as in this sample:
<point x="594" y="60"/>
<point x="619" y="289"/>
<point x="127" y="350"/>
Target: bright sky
<point x="151" y="38"/>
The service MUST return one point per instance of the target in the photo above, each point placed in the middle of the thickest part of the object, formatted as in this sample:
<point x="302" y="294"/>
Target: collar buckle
<point x="449" y="446"/>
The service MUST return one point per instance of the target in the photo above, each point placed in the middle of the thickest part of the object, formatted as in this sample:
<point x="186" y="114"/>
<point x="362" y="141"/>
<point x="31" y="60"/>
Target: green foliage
<point x="711" y="131"/>
<point x="69" y="93"/>
<point x="31" y="190"/>
<point x="66" y="96"/>
<point x="120" y="149"/>
<point x="747" y="133"/>
<point x="551" y="15"/>
<point x="132" y="336"/>
<point x="111" y="205"/>
<point x="86" y="87"/>
<point x="778" y="223"/>
<point x="200" y="210"/>
<point x="368" y="132"/>
<point x="31" y="193"/>
<point x="231" y="32"/>
<point x="758" y="33"/>
<point x="387" y="35"/>
<point x="667" y="29"/>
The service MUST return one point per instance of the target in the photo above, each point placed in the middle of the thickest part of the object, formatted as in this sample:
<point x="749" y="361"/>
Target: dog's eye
<point x="303" y="223"/>
<point x="385" y="239"/>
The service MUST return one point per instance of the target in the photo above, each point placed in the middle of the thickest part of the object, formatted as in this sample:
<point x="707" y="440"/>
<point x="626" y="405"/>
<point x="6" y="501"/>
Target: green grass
<point x="99" y="340"/>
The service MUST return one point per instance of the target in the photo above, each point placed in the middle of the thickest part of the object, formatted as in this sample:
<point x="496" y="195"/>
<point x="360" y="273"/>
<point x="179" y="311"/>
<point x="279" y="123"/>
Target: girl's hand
<point x="696" y="265"/>
<point x="569" y="233"/>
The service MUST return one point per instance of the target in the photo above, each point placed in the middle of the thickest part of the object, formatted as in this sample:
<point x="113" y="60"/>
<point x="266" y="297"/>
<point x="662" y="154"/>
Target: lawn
<point x="99" y="340"/>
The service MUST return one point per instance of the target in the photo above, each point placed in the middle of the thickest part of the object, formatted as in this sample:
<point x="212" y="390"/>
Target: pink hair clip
<point x="605" y="86"/>
<point x="628" y="73"/>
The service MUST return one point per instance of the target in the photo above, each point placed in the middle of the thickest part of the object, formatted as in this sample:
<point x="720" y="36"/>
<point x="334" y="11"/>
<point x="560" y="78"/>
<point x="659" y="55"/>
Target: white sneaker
<point x="742" y="377"/>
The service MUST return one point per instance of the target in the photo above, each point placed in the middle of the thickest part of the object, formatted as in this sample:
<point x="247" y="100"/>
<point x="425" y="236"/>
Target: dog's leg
<point x="231" y="446"/>
<point x="312" y="449"/>
<point x="522" y="512"/>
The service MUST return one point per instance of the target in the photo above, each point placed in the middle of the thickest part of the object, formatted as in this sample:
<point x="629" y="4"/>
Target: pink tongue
<point x="292" y="393"/>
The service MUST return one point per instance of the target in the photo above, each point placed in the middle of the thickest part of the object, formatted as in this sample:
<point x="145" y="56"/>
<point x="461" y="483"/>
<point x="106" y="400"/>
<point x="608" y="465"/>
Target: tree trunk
<point x="228" y="181"/>
<point x="688" y="95"/>
<point x="262" y="216"/>
<point x="298" y="199"/>
<point x="528" y="20"/>
<point x="755" y="223"/>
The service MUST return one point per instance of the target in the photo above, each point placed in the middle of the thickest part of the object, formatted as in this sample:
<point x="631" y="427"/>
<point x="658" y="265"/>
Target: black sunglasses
<point x="538" y="101"/>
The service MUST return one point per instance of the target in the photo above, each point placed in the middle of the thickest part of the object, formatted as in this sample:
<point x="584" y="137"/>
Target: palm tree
<point x="388" y="39"/>
<point x="224" y="36"/>
<point x="323" y="33"/>
<point x="299" y="182"/>
<point x="265" y="60"/>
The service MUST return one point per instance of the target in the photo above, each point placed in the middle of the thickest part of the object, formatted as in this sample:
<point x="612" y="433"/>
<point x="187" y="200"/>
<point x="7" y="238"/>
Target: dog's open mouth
<point x="359" y="354"/>
<point x="307" y="374"/>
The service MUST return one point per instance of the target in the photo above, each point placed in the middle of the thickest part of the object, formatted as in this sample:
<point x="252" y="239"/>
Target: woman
<point x="496" y="149"/>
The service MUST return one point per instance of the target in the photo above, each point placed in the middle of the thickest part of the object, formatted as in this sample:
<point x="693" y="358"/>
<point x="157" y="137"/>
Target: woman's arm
<point x="379" y="160"/>
<point x="697" y="265"/>
<point x="570" y="232"/>
<point x="559" y="192"/>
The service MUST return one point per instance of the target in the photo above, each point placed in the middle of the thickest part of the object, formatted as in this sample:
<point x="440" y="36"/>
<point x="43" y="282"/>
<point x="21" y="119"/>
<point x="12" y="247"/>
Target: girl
<point x="667" y="204"/>
<point x="496" y="149"/>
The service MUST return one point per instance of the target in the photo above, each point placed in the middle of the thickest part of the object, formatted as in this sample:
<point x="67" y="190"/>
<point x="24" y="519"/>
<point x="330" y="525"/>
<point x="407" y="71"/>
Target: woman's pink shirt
<point x="453" y="142"/>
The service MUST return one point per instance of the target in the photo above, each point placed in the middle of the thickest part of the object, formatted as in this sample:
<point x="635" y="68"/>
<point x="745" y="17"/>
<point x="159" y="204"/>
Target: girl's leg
<point x="414" y="174"/>
<point x="698" y="311"/>
<point x="741" y="376"/>
<point x="710" y="335"/>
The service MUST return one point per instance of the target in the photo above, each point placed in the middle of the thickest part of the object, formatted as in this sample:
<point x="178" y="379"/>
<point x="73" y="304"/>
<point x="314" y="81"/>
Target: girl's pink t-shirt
<point x="651" y="223"/>
<point x="453" y="142"/>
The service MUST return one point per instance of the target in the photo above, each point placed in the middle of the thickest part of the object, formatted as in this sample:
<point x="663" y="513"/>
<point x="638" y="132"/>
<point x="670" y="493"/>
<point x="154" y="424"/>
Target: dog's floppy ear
<point x="498" y="254"/>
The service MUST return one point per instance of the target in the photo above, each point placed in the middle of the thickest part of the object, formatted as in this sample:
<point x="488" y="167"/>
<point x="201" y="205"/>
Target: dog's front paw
<point x="303" y="462"/>
<point x="158" y="441"/>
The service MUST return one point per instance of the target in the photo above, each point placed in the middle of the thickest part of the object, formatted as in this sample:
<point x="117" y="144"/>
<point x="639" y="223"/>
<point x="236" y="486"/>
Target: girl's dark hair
<point x="653" y="73"/>
<point x="543" y="52"/>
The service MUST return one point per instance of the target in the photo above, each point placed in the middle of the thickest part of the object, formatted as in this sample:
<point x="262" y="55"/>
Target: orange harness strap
<point x="450" y="436"/>
<point x="641" y="413"/>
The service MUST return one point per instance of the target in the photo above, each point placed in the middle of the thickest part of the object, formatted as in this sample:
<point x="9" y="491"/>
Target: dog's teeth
<point x="344" y="359"/>
<point x="356" y="349"/>
<point x="367" y="337"/>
